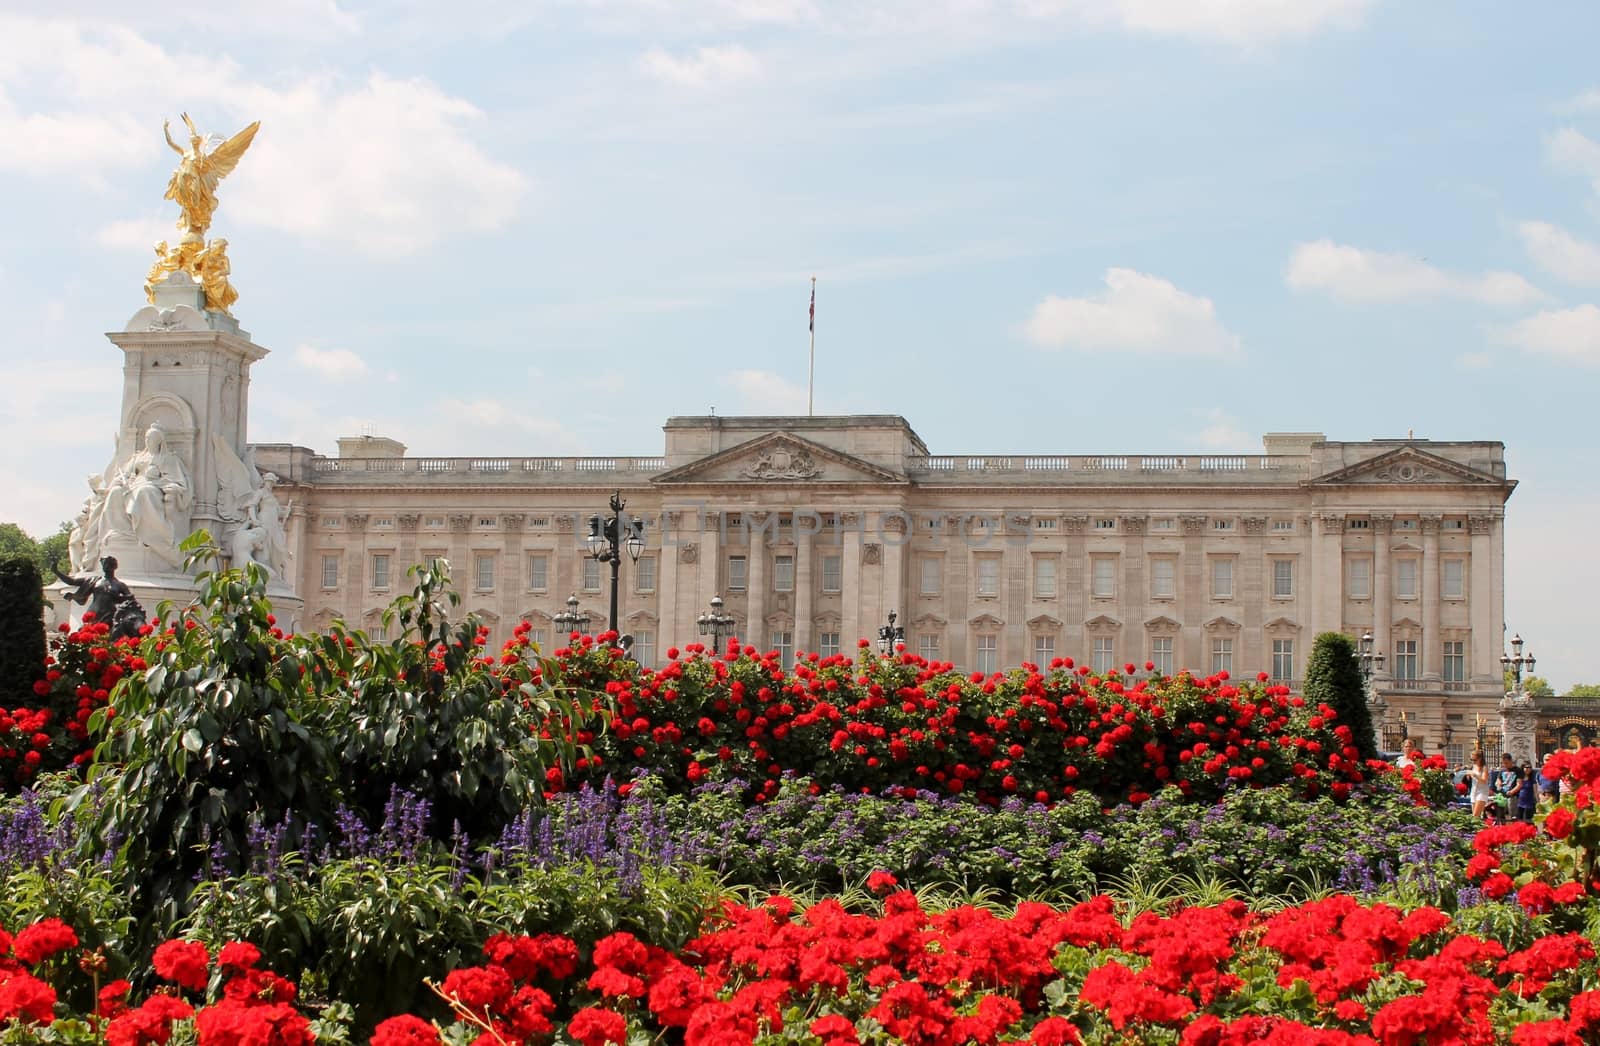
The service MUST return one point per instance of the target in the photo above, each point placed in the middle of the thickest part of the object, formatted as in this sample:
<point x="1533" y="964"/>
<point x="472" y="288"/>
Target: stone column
<point x="511" y="579"/>
<point x="1134" y="593"/>
<point x="355" y="585"/>
<point x="1488" y="632"/>
<point x="1327" y="558"/>
<point x="895" y="532"/>
<point x="1016" y="580"/>
<point x="460" y="554"/>
<point x="565" y="580"/>
<point x="1432" y="650"/>
<point x="405" y="549"/>
<point x="1074" y="586"/>
<point x="805" y="586"/>
<point x="849" y="531"/>
<point x="1255" y="598"/>
<point x="1194" y="598"/>
<point x="669" y="543"/>
<point x="1382" y="598"/>
<point x="756" y="596"/>
<point x="708" y="555"/>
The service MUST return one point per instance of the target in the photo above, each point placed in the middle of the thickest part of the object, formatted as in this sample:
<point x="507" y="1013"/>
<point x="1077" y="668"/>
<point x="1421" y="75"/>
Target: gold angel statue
<point x="212" y="270"/>
<point x="194" y="183"/>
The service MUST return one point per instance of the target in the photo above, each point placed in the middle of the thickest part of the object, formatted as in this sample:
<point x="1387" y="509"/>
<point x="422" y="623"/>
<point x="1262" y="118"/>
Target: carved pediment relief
<point x="487" y="616"/>
<point x="929" y="622"/>
<point x="537" y="618"/>
<point x="1163" y="625"/>
<point x="1280" y="626"/>
<point x="986" y="621"/>
<point x="1102" y="623"/>
<point x="1409" y="466"/>
<point x="1044" y="623"/>
<point x="642" y="617"/>
<point x="780" y="457"/>
<point x="1221" y="623"/>
<point x="1405" y="624"/>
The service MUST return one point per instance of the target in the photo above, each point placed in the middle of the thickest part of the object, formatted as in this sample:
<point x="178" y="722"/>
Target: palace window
<point x="738" y="573"/>
<point x="1360" y="584"/>
<point x="644" y="647"/>
<point x="1452" y="579"/>
<point x="1222" y="578"/>
<point x="1221" y="655"/>
<point x="1103" y="577"/>
<point x="1405" y="578"/>
<point x="1044" y="650"/>
<point x="1455" y="661"/>
<point x="539" y="572"/>
<point x="1282" y="578"/>
<point x="988" y="575"/>
<point x="1105" y="654"/>
<point x="1405" y="659"/>
<point x="591" y="574"/>
<point x="783" y="573"/>
<point x="828" y="644"/>
<point x="380" y="570"/>
<point x="1161" y="654"/>
<point x="988" y="654"/>
<point x="644" y="576"/>
<point x="1282" y="660"/>
<point x="928" y="646"/>
<point x="930" y="571"/>
<point x="485" y="566"/>
<point x="330" y="571"/>
<point x="832" y="573"/>
<point x="1044" y="577"/>
<point x="1163" y="577"/>
<point x="783" y="643"/>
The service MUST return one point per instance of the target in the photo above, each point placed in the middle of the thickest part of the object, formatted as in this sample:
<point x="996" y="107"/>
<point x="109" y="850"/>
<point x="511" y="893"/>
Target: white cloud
<point x="1138" y="313"/>
<point x="1220" y="431"/>
<point x="1354" y="274"/>
<point x="1587" y="101"/>
<point x="707" y="67"/>
<point x="1475" y="360"/>
<point x="1572" y="151"/>
<point x="1560" y="253"/>
<point x="1227" y="21"/>
<point x="334" y="364"/>
<point x="385" y="165"/>
<point x="1569" y="334"/>
<point x="764" y="392"/>
<point x="141" y="233"/>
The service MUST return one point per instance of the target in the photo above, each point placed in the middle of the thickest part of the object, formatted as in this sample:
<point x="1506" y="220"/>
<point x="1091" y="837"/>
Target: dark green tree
<point x="1588" y="690"/>
<point x="1333" y="677"/>
<point x="21" y="631"/>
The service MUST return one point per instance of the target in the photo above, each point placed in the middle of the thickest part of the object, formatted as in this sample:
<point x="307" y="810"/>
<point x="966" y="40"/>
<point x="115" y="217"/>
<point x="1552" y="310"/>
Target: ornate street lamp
<point x="1371" y="660"/>
<point x="889" y="635"/>
<point x="572" y="619"/>
<point x="608" y="537"/>
<point x="716" y="624"/>
<point x="1515" y="664"/>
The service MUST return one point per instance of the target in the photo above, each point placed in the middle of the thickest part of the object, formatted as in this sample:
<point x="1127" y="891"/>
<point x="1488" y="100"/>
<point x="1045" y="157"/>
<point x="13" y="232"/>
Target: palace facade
<point x="813" y="529"/>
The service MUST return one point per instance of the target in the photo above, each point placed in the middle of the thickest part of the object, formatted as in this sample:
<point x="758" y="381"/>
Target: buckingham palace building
<point x="813" y="529"/>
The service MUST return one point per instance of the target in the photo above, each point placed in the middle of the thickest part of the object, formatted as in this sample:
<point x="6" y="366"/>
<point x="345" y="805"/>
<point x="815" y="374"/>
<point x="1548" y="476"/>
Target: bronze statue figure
<point x="107" y="597"/>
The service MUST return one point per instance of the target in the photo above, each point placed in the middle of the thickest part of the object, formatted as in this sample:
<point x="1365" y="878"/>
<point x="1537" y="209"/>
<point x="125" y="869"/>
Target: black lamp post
<point x="1514" y="664"/>
<point x="572" y="619"/>
<point x="889" y="635"/>
<point x="716" y="624"/>
<point x="608" y="537"/>
<point x="1371" y="660"/>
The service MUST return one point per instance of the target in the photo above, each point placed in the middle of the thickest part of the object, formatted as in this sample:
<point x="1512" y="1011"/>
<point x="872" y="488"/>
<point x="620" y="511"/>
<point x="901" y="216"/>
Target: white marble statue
<point x="246" y="500"/>
<point x="147" y="501"/>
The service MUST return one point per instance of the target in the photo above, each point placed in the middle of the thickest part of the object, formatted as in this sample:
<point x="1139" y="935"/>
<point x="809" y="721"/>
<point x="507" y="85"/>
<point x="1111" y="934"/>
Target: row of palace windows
<point x="1104" y="575"/>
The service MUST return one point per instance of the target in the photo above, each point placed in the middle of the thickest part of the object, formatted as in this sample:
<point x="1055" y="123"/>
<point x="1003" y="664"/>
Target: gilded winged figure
<point x="194" y="183"/>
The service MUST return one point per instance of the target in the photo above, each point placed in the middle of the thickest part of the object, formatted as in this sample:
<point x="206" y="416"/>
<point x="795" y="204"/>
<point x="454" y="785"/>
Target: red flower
<point x="276" y="1024"/>
<point x="184" y="963"/>
<point x="405" y="1030"/>
<point x="596" y="1027"/>
<point x="43" y="939"/>
<point x="1558" y="823"/>
<point x="1055" y="1031"/>
<point x="24" y="997"/>
<point x="881" y="882"/>
<point x="237" y="956"/>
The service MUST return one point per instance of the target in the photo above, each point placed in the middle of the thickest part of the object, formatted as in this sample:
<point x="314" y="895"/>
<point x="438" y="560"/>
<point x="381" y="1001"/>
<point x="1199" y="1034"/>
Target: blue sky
<point x="1037" y="225"/>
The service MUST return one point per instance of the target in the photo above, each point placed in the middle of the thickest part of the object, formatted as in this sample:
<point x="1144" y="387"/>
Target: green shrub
<point x="1333" y="678"/>
<point x="22" y="647"/>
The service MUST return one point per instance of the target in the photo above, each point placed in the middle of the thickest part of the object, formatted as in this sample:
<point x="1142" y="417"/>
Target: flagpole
<point x="811" y="375"/>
